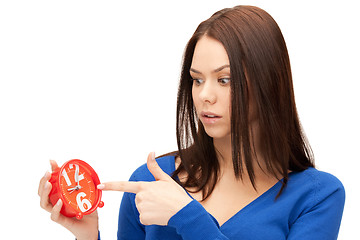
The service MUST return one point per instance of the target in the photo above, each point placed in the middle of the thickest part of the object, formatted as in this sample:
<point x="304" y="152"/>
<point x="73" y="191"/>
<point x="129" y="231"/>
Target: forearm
<point x="193" y="222"/>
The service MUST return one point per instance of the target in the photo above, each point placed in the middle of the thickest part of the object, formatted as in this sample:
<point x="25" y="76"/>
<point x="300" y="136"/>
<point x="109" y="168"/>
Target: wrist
<point x="181" y="203"/>
<point x="89" y="236"/>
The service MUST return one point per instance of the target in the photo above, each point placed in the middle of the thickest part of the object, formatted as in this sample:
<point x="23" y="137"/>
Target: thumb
<point x="54" y="165"/>
<point x="155" y="169"/>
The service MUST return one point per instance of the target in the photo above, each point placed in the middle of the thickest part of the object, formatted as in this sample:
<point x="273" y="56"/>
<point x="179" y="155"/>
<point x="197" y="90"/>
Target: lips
<point x="209" y="117"/>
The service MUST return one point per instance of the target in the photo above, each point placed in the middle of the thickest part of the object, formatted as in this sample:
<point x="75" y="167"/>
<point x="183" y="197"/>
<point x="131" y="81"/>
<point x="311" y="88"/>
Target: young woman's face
<point x="210" y="70"/>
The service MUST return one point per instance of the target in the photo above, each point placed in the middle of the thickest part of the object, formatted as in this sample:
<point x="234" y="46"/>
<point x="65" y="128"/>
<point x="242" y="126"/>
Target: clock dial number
<point x="77" y="177"/>
<point x="67" y="179"/>
<point x="83" y="204"/>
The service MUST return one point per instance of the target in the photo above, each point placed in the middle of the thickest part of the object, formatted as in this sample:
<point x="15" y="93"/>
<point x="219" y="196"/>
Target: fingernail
<point x="58" y="203"/>
<point x="153" y="155"/>
<point x="101" y="186"/>
<point x="47" y="185"/>
<point x="47" y="174"/>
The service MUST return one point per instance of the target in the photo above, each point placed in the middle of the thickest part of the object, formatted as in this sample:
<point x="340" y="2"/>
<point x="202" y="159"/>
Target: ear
<point x="155" y="169"/>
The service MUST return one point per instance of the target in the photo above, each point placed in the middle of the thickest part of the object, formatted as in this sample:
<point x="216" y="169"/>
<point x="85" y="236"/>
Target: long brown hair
<point x="258" y="57"/>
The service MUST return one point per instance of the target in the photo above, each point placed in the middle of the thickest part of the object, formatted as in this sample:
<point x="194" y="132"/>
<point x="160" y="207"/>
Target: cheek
<point x="229" y="100"/>
<point x="228" y="103"/>
<point x="195" y="98"/>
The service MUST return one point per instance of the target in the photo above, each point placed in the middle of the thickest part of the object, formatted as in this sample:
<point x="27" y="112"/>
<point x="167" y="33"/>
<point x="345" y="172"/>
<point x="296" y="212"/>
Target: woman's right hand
<point x="86" y="228"/>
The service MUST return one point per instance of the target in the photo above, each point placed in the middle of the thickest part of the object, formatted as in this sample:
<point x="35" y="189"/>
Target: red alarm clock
<point x="75" y="183"/>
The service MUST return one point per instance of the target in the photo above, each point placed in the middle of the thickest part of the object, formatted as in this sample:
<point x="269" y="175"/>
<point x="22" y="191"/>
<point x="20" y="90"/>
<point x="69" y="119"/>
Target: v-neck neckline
<point x="250" y="205"/>
<point x="242" y="210"/>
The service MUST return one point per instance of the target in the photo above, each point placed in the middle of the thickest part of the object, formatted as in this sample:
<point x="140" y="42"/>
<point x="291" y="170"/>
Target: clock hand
<point x="73" y="188"/>
<point x="77" y="176"/>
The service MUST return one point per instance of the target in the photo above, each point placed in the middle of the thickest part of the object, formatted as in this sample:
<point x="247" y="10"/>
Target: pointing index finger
<point x="122" y="186"/>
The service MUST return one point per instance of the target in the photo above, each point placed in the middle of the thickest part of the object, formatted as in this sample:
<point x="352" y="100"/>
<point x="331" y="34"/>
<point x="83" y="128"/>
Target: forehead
<point x="209" y="54"/>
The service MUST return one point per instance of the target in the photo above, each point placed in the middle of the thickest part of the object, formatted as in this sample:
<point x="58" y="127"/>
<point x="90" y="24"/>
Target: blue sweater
<point x="310" y="207"/>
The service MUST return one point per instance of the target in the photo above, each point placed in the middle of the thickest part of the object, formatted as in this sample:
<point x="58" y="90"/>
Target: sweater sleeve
<point x="193" y="222"/>
<point x="321" y="220"/>
<point x="129" y="227"/>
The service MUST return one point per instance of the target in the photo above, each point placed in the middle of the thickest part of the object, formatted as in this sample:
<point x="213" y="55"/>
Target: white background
<point x="97" y="80"/>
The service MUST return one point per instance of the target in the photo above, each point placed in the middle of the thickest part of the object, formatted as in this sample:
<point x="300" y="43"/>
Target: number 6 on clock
<point x="84" y="204"/>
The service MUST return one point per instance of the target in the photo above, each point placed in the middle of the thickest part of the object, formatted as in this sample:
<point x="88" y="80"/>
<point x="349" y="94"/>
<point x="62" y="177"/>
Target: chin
<point x="218" y="133"/>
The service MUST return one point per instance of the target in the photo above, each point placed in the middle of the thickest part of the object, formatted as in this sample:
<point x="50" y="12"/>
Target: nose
<point x="208" y="93"/>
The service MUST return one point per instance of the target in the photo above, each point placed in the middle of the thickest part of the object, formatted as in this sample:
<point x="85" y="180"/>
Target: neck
<point x="223" y="148"/>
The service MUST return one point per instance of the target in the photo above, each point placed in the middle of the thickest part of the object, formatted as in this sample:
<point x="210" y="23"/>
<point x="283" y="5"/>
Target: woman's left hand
<point x="156" y="201"/>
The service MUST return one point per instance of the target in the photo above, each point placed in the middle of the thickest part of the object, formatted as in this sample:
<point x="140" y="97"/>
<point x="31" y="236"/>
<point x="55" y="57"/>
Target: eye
<point x="224" y="81"/>
<point x="197" y="81"/>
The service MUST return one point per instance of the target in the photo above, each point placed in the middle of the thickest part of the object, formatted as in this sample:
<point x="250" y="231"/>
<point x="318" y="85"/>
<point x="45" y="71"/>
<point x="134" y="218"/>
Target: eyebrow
<point x="215" y="71"/>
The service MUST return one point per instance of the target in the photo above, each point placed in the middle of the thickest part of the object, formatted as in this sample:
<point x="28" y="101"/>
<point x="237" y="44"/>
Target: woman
<point x="243" y="169"/>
